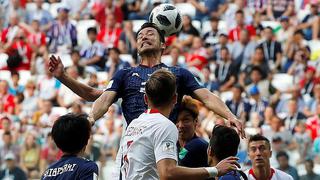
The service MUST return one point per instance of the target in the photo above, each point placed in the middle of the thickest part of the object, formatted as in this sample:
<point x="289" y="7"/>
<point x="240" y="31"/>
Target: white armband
<point x="213" y="171"/>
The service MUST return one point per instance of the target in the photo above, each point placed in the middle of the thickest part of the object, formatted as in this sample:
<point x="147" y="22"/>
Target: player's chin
<point x="148" y="50"/>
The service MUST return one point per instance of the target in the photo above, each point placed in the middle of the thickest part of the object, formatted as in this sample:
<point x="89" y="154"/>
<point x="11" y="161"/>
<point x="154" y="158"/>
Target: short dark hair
<point x="14" y="73"/>
<point x="224" y="48"/>
<point x="161" y="87"/>
<point x="239" y="12"/>
<point x="282" y="154"/>
<point x="7" y="133"/>
<point x="148" y="24"/>
<point x="256" y="68"/>
<point x="259" y="137"/>
<point x="214" y="19"/>
<point x="222" y="137"/>
<point x="115" y="49"/>
<point x="92" y="30"/>
<point x="298" y="32"/>
<point x="71" y="132"/>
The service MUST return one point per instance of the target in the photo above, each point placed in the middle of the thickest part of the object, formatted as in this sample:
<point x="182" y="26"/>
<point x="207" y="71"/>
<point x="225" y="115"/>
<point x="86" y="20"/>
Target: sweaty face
<point x="259" y="153"/>
<point x="148" y="40"/>
<point x="186" y="125"/>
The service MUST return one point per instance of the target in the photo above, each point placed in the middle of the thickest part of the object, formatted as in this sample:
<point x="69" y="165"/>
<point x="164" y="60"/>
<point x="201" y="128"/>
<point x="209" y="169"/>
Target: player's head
<point x="259" y="151"/>
<point x="187" y="118"/>
<point x="161" y="89"/>
<point x="150" y="39"/>
<point x="71" y="133"/>
<point x="224" y="142"/>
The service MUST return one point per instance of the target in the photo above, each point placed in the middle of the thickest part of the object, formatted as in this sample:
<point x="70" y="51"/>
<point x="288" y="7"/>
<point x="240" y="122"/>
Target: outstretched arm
<point x="215" y="104"/>
<point x="168" y="169"/>
<point x="86" y="92"/>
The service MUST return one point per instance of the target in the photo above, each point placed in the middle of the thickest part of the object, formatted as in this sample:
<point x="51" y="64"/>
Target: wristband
<point x="213" y="171"/>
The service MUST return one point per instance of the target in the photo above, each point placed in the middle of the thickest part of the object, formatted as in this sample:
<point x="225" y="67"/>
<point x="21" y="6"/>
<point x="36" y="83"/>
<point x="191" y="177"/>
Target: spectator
<point x="307" y="24"/>
<point x="65" y="96"/>
<point x="16" y="6"/>
<point x="8" y="146"/>
<point x="283" y="159"/>
<point x="225" y="71"/>
<point x="175" y="53"/>
<point x="275" y="131"/>
<point x="192" y="149"/>
<point x="222" y="137"/>
<point x="139" y="9"/>
<point x="286" y="31"/>
<point x="14" y="86"/>
<point x="282" y="105"/>
<point x="109" y="34"/>
<point x="258" y="6"/>
<point x="313" y="124"/>
<point x="78" y="9"/>
<point x="94" y="54"/>
<point x="77" y="108"/>
<point x="255" y="79"/>
<point x="223" y="42"/>
<point x="231" y="14"/>
<point x="272" y="50"/>
<point x="75" y="57"/>
<point x="187" y="33"/>
<point x="37" y="38"/>
<point x="258" y="104"/>
<point x="311" y="105"/>
<point x="277" y="8"/>
<point x="30" y="102"/>
<point x="208" y="8"/>
<point x="207" y="81"/>
<point x="211" y="38"/>
<point x="197" y="57"/>
<point x="112" y="140"/>
<point x="12" y="171"/>
<point x="115" y="63"/>
<point x="310" y="172"/>
<point x="30" y="156"/>
<point x="6" y="99"/>
<point x="243" y="49"/>
<point x="302" y="142"/>
<point x="259" y="151"/>
<point x="62" y="33"/>
<point x="293" y="116"/>
<point x="239" y="105"/>
<point x="235" y="33"/>
<point x="127" y="43"/>
<point x="308" y="82"/>
<point x="101" y="9"/>
<point x="256" y="23"/>
<point x="41" y="15"/>
<point x="48" y="87"/>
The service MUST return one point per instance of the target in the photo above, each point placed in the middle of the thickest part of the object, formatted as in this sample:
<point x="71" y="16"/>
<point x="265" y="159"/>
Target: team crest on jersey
<point x="168" y="146"/>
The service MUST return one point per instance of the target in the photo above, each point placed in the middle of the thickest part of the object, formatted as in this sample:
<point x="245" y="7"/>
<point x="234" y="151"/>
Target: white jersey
<point x="148" y="139"/>
<point x="275" y="175"/>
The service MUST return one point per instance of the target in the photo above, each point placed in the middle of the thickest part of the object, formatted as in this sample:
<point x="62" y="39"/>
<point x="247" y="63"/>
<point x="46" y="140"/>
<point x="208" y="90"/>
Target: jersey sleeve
<point x="189" y="82"/>
<point x="165" y="142"/>
<point x="116" y="83"/>
<point x="89" y="172"/>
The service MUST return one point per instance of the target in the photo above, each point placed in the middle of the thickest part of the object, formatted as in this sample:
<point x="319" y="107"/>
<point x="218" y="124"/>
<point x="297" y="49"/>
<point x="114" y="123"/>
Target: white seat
<point x="197" y="25"/>
<point x="53" y="9"/>
<point x="186" y="9"/>
<point x="126" y="57"/>
<point x="25" y="75"/>
<point x="282" y="81"/>
<point x="82" y="27"/>
<point x="302" y="13"/>
<point x="137" y="24"/>
<point x="5" y="75"/>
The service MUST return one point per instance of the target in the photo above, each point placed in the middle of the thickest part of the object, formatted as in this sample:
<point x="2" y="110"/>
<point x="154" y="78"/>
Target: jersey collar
<point x="152" y="111"/>
<point x="271" y="174"/>
<point x="157" y="65"/>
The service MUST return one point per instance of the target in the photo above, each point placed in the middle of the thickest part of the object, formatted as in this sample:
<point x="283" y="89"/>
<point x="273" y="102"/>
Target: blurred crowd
<point x="262" y="57"/>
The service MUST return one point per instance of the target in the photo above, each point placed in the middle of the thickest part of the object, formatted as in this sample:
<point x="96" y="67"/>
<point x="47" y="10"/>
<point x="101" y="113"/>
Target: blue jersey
<point x="194" y="153"/>
<point x="71" y="167"/>
<point x="130" y="86"/>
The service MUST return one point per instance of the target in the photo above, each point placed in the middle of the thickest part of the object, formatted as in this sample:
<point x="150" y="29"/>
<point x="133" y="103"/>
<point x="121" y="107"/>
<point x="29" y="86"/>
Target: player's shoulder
<point x="282" y="175"/>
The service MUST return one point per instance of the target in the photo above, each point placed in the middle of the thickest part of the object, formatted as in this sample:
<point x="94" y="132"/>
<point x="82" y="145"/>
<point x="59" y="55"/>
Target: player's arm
<point x="215" y="104"/>
<point x="168" y="169"/>
<point x="101" y="105"/>
<point x="86" y="92"/>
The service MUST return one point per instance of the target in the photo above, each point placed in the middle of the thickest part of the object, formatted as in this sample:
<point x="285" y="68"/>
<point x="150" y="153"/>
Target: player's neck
<point x="262" y="173"/>
<point x="151" y="60"/>
<point x="165" y="111"/>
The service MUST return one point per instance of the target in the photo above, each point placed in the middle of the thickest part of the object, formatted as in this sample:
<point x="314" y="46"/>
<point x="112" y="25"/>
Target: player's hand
<point x="239" y="125"/>
<point x="56" y="67"/>
<point x="226" y="165"/>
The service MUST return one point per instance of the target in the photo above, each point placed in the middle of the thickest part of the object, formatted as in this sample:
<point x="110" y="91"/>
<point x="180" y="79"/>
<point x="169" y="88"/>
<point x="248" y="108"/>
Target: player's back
<point x="71" y="167"/>
<point x="147" y="140"/>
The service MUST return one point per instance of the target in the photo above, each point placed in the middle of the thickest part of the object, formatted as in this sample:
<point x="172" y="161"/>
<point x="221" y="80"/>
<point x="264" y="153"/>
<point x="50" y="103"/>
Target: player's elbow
<point x="168" y="174"/>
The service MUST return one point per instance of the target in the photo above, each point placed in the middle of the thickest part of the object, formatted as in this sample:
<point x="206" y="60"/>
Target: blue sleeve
<point x="116" y="83"/>
<point x="189" y="82"/>
<point x="89" y="172"/>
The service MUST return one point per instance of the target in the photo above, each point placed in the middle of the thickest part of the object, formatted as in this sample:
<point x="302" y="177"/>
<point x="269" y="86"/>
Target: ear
<point x="145" y="99"/>
<point x="209" y="152"/>
<point x="174" y="99"/>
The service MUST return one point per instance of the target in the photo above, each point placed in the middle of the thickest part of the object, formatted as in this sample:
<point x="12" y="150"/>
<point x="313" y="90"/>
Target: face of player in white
<point x="259" y="153"/>
<point x="148" y="40"/>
